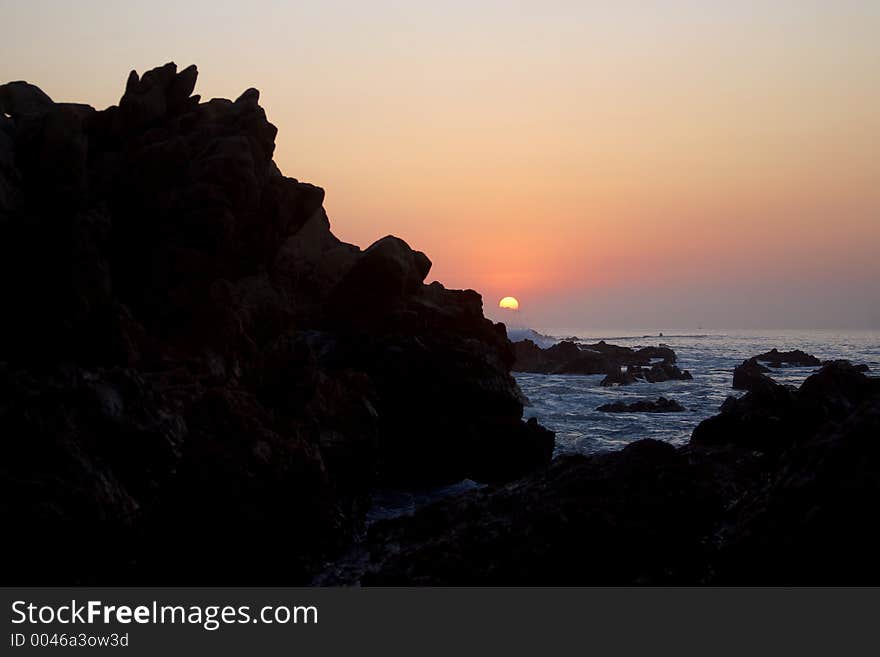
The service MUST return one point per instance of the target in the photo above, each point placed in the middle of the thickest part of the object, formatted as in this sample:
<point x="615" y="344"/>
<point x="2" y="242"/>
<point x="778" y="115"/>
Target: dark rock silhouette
<point x="795" y="357"/>
<point x="637" y="516"/>
<point x="772" y="416"/>
<point x="750" y="375"/>
<point x="861" y="367"/>
<point x="777" y="489"/>
<point x="621" y="376"/>
<point x="660" y="405"/>
<point x="198" y="379"/>
<point x="568" y="357"/>
<point x="657" y="373"/>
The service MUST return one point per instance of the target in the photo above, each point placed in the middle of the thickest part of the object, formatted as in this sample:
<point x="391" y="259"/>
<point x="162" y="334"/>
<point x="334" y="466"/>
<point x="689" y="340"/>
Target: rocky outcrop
<point x="564" y="355"/>
<point x="657" y="373"/>
<point x="750" y="375"/>
<point x="568" y="357"/>
<point x="778" y="489"/>
<point x="660" y="405"/>
<point x="634" y="516"/>
<point x="795" y="357"/>
<point x="772" y="417"/>
<point x="860" y="367"/>
<point x="198" y="376"/>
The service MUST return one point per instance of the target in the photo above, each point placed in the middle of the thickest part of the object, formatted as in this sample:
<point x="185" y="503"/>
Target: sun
<point x="509" y="303"/>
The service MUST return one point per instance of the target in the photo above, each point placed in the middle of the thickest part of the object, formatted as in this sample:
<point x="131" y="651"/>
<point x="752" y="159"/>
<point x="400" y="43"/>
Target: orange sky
<point x="564" y="153"/>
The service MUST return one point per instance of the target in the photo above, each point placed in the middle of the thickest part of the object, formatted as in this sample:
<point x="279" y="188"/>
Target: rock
<point x="750" y="375"/>
<point x="564" y="357"/>
<point x="160" y="91"/>
<point x="660" y="372"/>
<point x="510" y="451"/>
<point x="568" y="357"/>
<point x="197" y="375"/>
<point x="89" y="453"/>
<point x="242" y="468"/>
<point x="20" y="100"/>
<point x="530" y="357"/>
<point x="806" y="521"/>
<point x="836" y="389"/>
<point x="181" y="88"/>
<point x="661" y="405"/>
<point x="757" y="420"/>
<point x="861" y="367"/>
<point x="621" y="377"/>
<point x="379" y="281"/>
<point x="796" y="357"/>
<point x="784" y="498"/>
<point x="657" y="373"/>
<point x="662" y="352"/>
<point x="636" y="516"/>
<point x="627" y="355"/>
<point x="772" y="417"/>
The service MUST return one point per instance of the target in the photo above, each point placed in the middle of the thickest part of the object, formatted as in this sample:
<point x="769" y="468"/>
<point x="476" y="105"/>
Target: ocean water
<point x="567" y="403"/>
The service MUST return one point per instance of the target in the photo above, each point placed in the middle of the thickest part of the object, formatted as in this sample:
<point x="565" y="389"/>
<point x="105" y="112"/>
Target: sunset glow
<point x="587" y="155"/>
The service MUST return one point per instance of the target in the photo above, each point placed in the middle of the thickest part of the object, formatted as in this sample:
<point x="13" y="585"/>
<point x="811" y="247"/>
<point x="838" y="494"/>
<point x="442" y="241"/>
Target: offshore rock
<point x="795" y="357"/>
<point x="568" y="357"/>
<point x="657" y="373"/>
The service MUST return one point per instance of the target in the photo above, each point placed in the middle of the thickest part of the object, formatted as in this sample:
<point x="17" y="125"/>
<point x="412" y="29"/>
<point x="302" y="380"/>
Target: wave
<point x="606" y="338"/>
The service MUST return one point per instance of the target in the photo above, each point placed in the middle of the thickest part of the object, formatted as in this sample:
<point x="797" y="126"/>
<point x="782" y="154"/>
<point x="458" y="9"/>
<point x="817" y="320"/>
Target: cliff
<point x="200" y="383"/>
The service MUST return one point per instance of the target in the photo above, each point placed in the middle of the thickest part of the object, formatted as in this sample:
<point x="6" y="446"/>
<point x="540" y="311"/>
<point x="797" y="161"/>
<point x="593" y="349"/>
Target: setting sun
<point x="509" y="303"/>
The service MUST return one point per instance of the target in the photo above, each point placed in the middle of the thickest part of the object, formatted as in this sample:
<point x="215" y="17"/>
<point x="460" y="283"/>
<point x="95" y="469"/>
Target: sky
<point x="628" y="164"/>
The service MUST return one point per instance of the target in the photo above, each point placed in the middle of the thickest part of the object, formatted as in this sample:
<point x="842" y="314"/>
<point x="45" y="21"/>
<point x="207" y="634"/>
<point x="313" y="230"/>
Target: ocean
<point x="567" y="403"/>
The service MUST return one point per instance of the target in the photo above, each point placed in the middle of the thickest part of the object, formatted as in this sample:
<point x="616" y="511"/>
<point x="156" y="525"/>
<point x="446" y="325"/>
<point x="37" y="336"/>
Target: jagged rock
<point x="657" y="373"/>
<point x="836" y="389"/>
<point x="772" y="416"/>
<point x="159" y="92"/>
<point x="379" y="281"/>
<point x="637" y="516"/>
<point x="738" y="505"/>
<point x="661" y="405"/>
<point x="620" y="377"/>
<point x="568" y="357"/>
<point x="216" y="382"/>
<point x="628" y="355"/>
<point x="796" y="357"/>
<point x="660" y="372"/>
<point x="758" y="419"/>
<point x="750" y="375"/>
